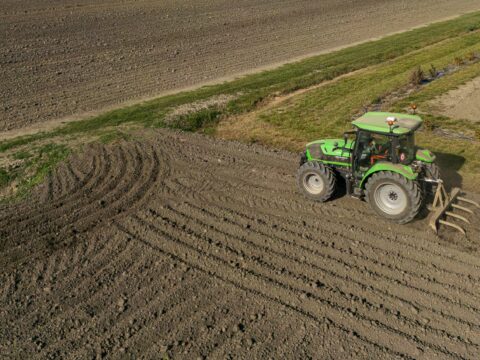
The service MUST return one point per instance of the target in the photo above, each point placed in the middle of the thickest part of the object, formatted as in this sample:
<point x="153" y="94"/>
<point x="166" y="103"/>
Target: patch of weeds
<point x="428" y="123"/>
<point x="458" y="61"/>
<point x="112" y="136"/>
<point x="5" y="177"/>
<point x="433" y="72"/>
<point x="417" y="77"/>
<point x="197" y="120"/>
<point x="46" y="158"/>
<point x="477" y="134"/>
<point x="472" y="56"/>
<point x="22" y="155"/>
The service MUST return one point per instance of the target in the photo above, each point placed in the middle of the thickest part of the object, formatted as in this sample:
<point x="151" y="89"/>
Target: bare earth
<point x="64" y="58"/>
<point x="461" y="103"/>
<point x="190" y="247"/>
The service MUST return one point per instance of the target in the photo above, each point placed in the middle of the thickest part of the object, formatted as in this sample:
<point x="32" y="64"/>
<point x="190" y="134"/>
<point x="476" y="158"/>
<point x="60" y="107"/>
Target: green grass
<point x="110" y="136"/>
<point x="36" y="166"/>
<point x="5" y="177"/>
<point x="328" y="110"/>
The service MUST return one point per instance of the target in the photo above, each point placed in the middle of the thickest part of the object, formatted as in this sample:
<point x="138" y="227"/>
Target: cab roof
<point x="377" y="122"/>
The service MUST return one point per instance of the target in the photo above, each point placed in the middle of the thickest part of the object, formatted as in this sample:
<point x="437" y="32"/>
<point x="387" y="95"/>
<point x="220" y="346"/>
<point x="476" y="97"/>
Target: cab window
<point x="373" y="148"/>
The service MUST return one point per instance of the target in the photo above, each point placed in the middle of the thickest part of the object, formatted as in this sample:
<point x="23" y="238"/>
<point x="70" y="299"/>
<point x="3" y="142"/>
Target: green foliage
<point x="328" y="110"/>
<point x="40" y="162"/>
<point x="433" y="72"/>
<point x="110" y="136"/>
<point x="458" y="61"/>
<point x="417" y="77"/>
<point x="196" y="120"/>
<point x="5" y="177"/>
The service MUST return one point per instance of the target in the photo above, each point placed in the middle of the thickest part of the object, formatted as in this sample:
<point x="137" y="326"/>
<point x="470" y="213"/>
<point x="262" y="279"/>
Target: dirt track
<point x="461" y="103"/>
<point x="200" y="248"/>
<point x="64" y="58"/>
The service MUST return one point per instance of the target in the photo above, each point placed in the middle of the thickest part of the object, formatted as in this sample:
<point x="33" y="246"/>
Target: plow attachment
<point x="444" y="205"/>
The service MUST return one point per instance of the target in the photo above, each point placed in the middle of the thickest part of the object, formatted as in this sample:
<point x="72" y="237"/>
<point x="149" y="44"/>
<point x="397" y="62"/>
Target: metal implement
<point x="443" y="203"/>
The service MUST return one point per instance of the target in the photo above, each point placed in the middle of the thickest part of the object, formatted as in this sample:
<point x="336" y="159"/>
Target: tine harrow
<point x="444" y="205"/>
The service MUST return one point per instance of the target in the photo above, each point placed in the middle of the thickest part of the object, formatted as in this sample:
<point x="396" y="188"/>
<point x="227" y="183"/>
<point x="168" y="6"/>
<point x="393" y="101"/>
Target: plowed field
<point x="60" y="59"/>
<point x="193" y="247"/>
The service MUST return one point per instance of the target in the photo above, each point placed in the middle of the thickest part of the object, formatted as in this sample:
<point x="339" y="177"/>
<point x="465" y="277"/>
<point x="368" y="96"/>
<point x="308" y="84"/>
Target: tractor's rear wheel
<point x="316" y="181"/>
<point x="393" y="196"/>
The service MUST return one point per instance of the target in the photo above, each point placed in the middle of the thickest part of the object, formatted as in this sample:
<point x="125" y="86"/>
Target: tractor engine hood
<point x="331" y="147"/>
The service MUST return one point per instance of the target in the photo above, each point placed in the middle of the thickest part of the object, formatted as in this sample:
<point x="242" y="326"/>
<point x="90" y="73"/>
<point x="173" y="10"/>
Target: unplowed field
<point x="193" y="247"/>
<point x="59" y="59"/>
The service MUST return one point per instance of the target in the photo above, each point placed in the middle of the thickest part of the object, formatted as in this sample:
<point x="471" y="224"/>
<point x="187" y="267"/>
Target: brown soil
<point x="461" y="103"/>
<point x="200" y="248"/>
<point x="64" y="58"/>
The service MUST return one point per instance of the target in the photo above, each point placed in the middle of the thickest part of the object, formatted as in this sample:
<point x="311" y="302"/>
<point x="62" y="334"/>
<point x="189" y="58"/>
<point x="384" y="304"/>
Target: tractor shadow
<point x="341" y="189"/>
<point x="449" y="165"/>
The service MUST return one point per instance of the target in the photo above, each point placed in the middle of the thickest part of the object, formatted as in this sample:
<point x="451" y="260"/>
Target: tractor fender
<point x="403" y="170"/>
<point x="425" y="155"/>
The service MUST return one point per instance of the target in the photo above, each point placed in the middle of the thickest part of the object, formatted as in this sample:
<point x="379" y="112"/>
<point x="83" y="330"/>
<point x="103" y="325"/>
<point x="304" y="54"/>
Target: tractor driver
<point x="376" y="148"/>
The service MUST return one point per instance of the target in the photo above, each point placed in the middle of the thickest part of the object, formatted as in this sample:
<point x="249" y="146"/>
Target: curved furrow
<point x="46" y="194"/>
<point x="347" y="278"/>
<point x="260" y="252"/>
<point x="361" y="249"/>
<point x="51" y="224"/>
<point x="262" y="287"/>
<point x="65" y="204"/>
<point x="389" y="330"/>
<point x="25" y="210"/>
<point x="63" y="176"/>
<point x="333" y="222"/>
<point x="331" y="215"/>
<point x="129" y="195"/>
<point x="331" y="255"/>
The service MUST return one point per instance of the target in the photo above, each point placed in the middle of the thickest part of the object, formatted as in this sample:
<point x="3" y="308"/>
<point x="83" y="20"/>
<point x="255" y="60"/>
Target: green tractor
<point x="378" y="161"/>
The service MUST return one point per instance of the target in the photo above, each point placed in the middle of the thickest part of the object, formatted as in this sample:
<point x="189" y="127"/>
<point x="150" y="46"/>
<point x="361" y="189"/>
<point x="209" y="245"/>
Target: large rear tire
<point x="393" y="196"/>
<point x="316" y="181"/>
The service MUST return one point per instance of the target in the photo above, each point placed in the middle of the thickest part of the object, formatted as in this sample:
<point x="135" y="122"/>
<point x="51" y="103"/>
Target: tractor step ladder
<point x="443" y="203"/>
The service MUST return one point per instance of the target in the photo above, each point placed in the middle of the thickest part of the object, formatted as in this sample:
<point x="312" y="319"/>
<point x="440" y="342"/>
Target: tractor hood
<point x="425" y="156"/>
<point x="333" y="147"/>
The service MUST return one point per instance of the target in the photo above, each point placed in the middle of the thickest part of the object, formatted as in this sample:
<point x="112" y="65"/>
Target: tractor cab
<point x="384" y="137"/>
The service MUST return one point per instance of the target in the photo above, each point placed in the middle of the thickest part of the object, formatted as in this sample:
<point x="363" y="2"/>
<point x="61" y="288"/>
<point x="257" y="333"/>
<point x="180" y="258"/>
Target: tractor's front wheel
<point x="393" y="196"/>
<point x="316" y="181"/>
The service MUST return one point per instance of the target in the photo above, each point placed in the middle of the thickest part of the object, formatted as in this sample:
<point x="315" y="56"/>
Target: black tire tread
<point x="413" y="191"/>
<point x="327" y="174"/>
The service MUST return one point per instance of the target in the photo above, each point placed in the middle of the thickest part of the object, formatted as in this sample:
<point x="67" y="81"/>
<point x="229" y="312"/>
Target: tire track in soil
<point x="257" y="290"/>
<point x="286" y="273"/>
<point x="335" y="229"/>
<point x="106" y="198"/>
<point x="348" y="278"/>
<point x="197" y="238"/>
